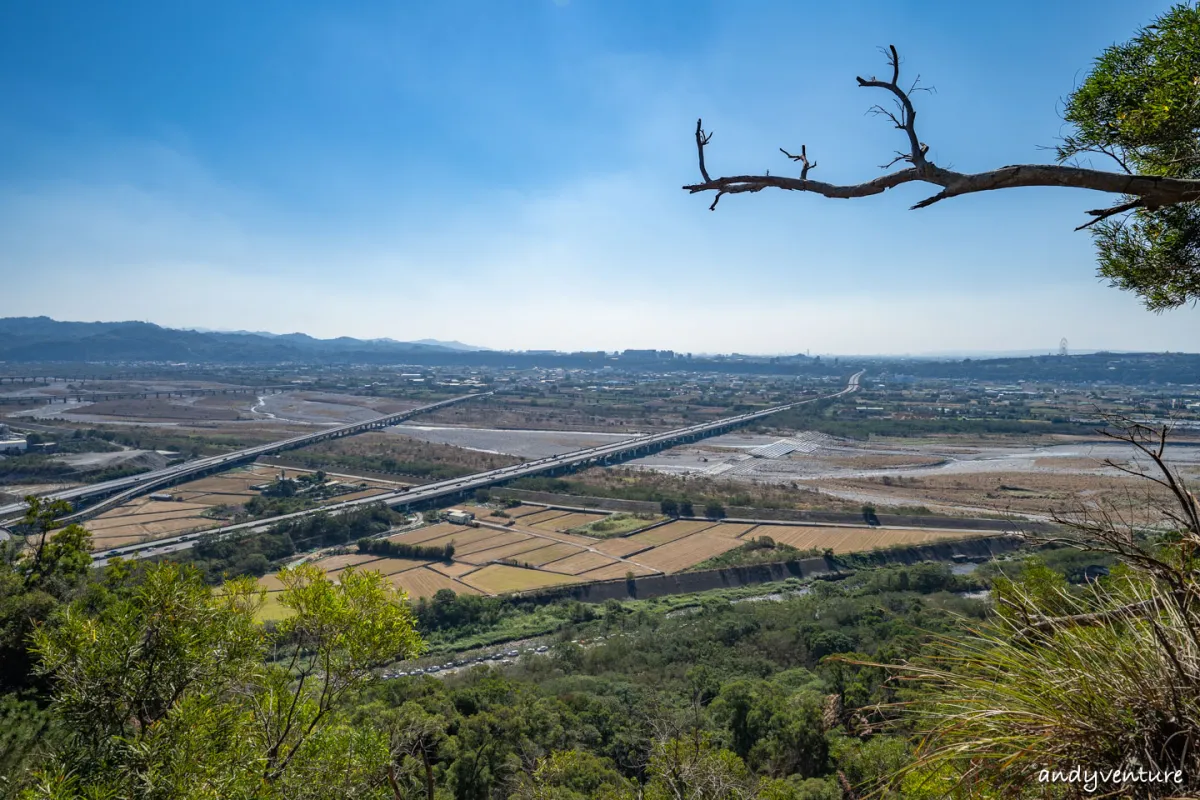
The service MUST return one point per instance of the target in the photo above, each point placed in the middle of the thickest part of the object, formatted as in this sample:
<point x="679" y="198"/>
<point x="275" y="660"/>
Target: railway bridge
<point x="111" y="493"/>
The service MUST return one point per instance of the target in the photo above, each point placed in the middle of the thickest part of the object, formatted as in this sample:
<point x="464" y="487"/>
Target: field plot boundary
<point x="506" y="551"/>
<point x="572" y="519"/>
<point x="679" y="554"/>
<point x="551" y="514"/>
<point x="495" y="540"/>
<point x="497" y="579"/>
<point x="664" y="534"/>
<point x="616" y="542"/>
<point x="561" y="565"/>
<point x="556" y="551"/>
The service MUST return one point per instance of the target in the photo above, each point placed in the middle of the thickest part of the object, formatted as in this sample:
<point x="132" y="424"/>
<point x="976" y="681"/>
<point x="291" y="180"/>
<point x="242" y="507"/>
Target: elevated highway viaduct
<point x="114" y="492"/>
<point x="455" y="489"/>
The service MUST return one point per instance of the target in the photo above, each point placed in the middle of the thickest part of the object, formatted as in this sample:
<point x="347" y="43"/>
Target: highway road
<point x="120" y="490"/>
<point x="465" y="485"/>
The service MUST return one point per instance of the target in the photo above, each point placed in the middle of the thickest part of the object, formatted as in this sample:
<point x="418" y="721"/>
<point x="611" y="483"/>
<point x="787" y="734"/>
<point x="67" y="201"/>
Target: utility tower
<point x="1062" y="346"/>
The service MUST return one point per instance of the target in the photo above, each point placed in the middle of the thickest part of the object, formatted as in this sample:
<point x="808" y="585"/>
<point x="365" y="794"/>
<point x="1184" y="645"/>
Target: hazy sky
<point x="508" y="173"/>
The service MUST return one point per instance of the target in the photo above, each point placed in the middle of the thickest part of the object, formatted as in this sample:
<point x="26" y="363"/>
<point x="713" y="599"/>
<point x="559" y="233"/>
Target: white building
<point x="13" y="445"/>
<point x="459" y="517"/>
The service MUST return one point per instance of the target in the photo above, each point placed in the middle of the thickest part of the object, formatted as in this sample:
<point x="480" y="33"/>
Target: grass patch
<point x="762" y="550"/>
<point x="617" y="525"/>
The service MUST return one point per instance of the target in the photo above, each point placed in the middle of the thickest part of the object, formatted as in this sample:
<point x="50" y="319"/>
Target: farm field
<point x="422" y="535"/>
<point x="671" y="531"/>
<point x="563" y="524"/>
<point x="683" y="553"/>
<point x="513" y="550"/>
<point x="426" y="582"/>
<point x="462" y="537"/>
<point x="543" y="516"/>
<point x="524" y="511"/>
<point x="501" y="578"/>
<point x="553" y="552"/>
<point x="620" y="547"/>
<point x="497" y="539"/>
<point x="455" y="570"/>
<point x="615" y="572"/>
<point x="143" y="519"/>
<point x="536" y="558"/>
<point x="580" y="562"/>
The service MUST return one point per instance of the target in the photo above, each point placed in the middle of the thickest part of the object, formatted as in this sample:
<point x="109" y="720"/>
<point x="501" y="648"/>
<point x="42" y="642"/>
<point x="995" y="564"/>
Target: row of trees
<point x="671" y="507"/>
<point x="390" y="549"/>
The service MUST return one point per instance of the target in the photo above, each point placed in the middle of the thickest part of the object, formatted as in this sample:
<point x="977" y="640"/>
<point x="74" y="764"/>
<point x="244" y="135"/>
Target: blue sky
<point x="508" y="174"/>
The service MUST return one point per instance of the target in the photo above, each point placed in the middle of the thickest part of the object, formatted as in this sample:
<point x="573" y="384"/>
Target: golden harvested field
<point x="555" y="536"/>
<point x="615" y="571"/>
<point x="497" y="539"/>
<point x="144" y="505"/>
<point x="580" y="562"/>
<point x="543" y="516"/>
<point x="391" y="566"/>
<point x="620" y="547"/>
<point x="103" y="522"/>
<point x="348" y="560"/>
<point x="500" y="578"/>
<point x="850" y="540"/>
<point x="524" y="511"/>
<point x="733" y="530"/>
<point x="454" y="570"/>
<point x="120" y="531"/>
<point x="461" y="537"/>
<point x="544" y="555"/>
<point x="513" y="550"/>
<point x="683" y="553"/>
<point x="567" y="522"/>
<point x="234" y="481"/>
<point x="421" y="535"/>
<point x="425" y="582"/>
<point x="670" y="532"/>
<point x="181" y="525"/>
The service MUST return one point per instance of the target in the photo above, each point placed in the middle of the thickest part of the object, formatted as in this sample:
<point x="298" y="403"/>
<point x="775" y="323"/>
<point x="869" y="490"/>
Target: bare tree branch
<point x="1147" y="191"/>
<point x="1104" y="213"/>
<point x="803" y="159"/>
<point x="701" y="140"/>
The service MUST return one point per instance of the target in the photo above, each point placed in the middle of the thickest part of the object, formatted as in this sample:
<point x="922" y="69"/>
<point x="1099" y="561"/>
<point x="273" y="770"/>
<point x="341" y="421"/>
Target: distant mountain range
<point x="43" y="340"/>
<point x="453" y="345"/>
<point x="28" y="339"/>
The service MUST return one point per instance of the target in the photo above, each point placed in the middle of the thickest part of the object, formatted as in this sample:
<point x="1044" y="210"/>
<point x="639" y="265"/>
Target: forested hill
<point x="41" y="339"/>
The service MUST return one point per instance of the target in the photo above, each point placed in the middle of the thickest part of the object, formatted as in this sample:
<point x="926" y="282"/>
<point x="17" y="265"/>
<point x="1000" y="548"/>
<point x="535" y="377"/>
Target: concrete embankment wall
<point x="732" y="577"/>
<point x="788" y="515"/>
